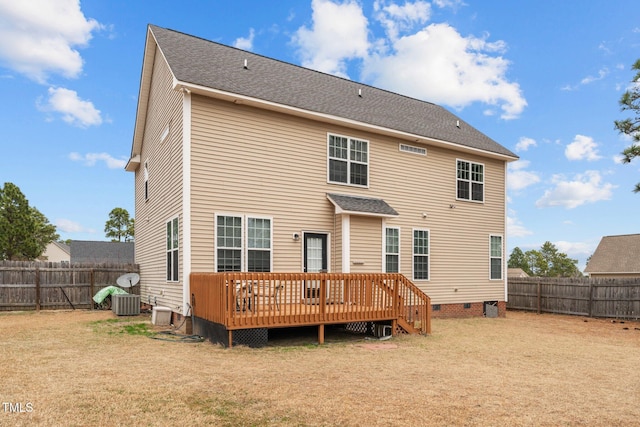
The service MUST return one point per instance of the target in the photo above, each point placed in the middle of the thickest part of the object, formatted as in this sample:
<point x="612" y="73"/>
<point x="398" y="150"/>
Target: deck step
<point x="408" y="327"/>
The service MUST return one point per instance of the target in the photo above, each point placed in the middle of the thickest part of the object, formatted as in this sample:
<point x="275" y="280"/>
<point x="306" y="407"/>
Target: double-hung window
<point x="229" y="243"/>
<point x="258" y="244"/>
<point x="348" y="160"/>
<point x="243" y="243"/>
<point x="495" y="257"/>
<point x="392" y="250"/>
<point x="421" y="254"/>
<point x="172" y="250"/>
<point x="470" y="181"/>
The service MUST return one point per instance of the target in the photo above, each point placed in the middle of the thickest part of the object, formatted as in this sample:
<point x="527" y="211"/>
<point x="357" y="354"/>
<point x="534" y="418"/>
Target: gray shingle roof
<point x="212" y="65"/>
<point x="364" y="205"/>
<point x="84" y="251"/>
<point x="616" y="254"/>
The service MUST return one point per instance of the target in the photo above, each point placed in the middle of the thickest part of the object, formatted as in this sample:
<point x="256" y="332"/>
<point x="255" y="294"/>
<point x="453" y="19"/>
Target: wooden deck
<point x="276" y="300"/>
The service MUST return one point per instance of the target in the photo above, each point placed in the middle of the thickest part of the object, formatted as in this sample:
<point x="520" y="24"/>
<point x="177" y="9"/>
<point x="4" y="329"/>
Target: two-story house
<point x="247" y="163"/>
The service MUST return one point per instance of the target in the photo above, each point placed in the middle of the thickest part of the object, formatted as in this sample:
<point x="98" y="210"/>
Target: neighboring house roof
<point x="616" y="254"/>
<point x="361" y="205"/>
<point x="56" y="252"/>
<point x="516" y="272"/>
<point x="83" y="251"/>
<point x="221" y="71"/>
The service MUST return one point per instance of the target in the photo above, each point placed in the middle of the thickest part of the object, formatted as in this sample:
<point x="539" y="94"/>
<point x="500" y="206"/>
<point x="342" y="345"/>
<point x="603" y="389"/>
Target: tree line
<point x="25" y="232"/>
<point x="548" y="261"/>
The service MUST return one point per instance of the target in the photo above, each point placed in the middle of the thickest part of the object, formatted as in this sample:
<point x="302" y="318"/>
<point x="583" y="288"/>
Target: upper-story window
<point x="470" y="181"/>
<point x="348" y="160"/>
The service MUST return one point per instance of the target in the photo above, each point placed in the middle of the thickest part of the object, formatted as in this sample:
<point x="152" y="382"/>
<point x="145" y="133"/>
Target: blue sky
<point x="543" y="78"/>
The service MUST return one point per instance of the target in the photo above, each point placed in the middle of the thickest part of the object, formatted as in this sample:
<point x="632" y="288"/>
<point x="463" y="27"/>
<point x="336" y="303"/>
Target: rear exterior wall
<point x="248" y="161"/>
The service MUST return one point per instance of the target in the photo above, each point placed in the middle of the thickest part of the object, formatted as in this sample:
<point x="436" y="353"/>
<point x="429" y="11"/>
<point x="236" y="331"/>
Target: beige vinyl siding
<point x="254" y="162"/>
<point x="366" y="244"/>
<point x="165" y="190"/>
<point x="248" y="162"/>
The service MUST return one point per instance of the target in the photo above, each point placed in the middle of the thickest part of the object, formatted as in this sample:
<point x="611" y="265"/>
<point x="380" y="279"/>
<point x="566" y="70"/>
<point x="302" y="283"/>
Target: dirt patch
<point x="88" y="368"/>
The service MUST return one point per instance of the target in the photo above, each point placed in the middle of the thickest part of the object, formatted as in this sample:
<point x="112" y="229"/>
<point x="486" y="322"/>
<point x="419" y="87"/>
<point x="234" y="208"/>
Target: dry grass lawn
<point x="79" y="368"/>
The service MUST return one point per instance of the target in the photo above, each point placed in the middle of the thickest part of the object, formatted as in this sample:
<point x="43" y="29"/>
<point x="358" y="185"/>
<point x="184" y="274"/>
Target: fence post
<point x="539" y="296"/>
<point x="590" y="298"/>
<point x="91" y="288"/>
<point x="37" y="289"/>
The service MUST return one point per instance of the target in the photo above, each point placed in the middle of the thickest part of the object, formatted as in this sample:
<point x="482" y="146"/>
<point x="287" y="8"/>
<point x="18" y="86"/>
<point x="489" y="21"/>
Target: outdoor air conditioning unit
<point x="125" y="304"/>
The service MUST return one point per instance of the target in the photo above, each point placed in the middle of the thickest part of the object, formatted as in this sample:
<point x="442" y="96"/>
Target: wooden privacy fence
<point x="48" y="285"/>
<point x="593" y="297"/>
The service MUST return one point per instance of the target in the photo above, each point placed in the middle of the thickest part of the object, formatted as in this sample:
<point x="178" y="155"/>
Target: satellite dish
<point x="128" y="280"/>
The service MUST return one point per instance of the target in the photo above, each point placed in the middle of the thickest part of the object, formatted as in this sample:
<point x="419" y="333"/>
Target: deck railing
<point x="264" y="300"/>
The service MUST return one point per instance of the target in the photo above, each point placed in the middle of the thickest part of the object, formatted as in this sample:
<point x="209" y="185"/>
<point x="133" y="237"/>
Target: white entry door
<point x="315" y="252"/>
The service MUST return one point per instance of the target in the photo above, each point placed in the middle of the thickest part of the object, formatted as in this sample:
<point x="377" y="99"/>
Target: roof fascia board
<point x="151" y="48"/>
<point x="327" y="118"/>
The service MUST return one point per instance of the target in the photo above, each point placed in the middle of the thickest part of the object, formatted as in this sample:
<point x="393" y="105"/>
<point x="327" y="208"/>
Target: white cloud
<point x="434" y="63"/>
<point x="584" y="188"/>
<point x="339" y="33"/>
<point x="524" y="143"/>
<point x="604" y="72"/>
<point x="518" y="178"/>
<point x="438" y="64"/>
<point x="448" y="3"/>
<point x="515" y="227"/>
<point x="590" y="79"/>
<point x="576" y="249"/>
<point x="90" y="159"/>
<point x="74" y="110"/>
<point x="245" y="43"/>
<point x="68" y="226"/>
<point x="41" y="37"/>
<point x="396" y="19"/>
<point x="582" y="148"/>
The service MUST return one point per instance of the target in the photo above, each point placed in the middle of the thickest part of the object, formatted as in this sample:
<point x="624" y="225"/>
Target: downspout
<point x="504" y="246"/>
<point x="186" y="201"/>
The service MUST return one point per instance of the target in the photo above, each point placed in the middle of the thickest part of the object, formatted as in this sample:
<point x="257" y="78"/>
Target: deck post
<point x="230" y="338"/>
<point x="321" y="334"/>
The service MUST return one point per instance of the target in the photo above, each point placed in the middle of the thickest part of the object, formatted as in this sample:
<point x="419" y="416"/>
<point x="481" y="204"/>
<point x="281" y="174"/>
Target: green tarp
<point x="105" y="292"/>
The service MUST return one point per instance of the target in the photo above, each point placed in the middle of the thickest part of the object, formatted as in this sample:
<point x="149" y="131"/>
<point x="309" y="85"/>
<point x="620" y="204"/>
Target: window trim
<point x="501" y="257"/>
<point x="384" y="248"/>
<point x="244" y="239"/>
<point x="348" y="160"/>
<point x="173" y="274"/>
<point x="413" y="254"/>
<point x="470" y="181"/>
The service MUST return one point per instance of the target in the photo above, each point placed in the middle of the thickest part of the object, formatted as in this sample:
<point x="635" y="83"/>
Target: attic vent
<point x="412" y="149"/>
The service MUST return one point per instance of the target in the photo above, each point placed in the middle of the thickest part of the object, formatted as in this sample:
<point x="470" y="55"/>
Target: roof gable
<point x="199" y="64"/>
<point x="616" y="254"/>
